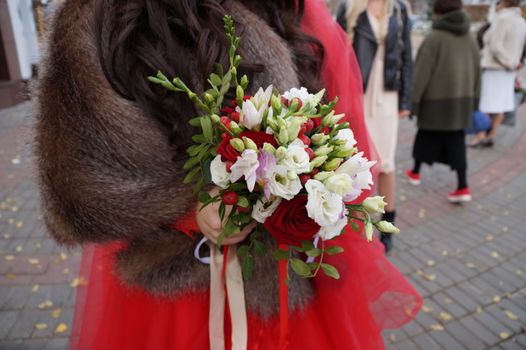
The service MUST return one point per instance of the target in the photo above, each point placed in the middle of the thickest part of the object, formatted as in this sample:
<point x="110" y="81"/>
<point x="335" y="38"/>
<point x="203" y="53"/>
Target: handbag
<point x="481" y="122"/>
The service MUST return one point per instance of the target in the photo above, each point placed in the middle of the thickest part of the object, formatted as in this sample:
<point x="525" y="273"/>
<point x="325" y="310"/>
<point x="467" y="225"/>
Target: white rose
<point x="296" y="159"/>
<point x="263" y="210"/>
<point x="329" y="232"/>
<point x="220" y="176"/>
<point x="323" y="206"/>
<point x="374" y="205"/>
<point x="339" y="183"/>
<point x="348" y="136"/>
<point x="246" y="165"/>
<point x="281" y="185"/>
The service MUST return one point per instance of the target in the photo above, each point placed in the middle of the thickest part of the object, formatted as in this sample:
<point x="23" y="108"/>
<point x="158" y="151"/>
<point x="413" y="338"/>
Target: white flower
<point x="387" y="227"/>
<point x="358" y="168"/>
<point x="220" y="176"/>
<point x="281" y="185"/>
<point x="323" y="206"/>
<point x="263" y="210"/>
<point x="246" y="165"/>
<point x="348" y="136"/>
<point x="329" y="232"/>
<point x="296" y="159"/>
<point x="374" y="205"/>
<point x="339" y="183"/>
<point x="301" y="94"/>
<point x="254" y="109"/>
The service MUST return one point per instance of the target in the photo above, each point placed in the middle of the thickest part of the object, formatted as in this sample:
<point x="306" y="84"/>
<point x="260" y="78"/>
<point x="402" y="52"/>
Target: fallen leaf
<point x="403" y="198"/>
<point x="479" y="309"/>
<point x="9" y="257"/>
<point x="7" y="236"/>
<point x="11" y="221"/>
<point x="470" y="265"/>
<point x="422" y="213"/>
<point x="33" y="261"/>
<point x="445" y="253"/>
<point x="426" y="276"/>
<point x="35" y="288"/>
<point x="436" y="327"/>
<point x="63" y="256"/>
<point x="511" y="315"/>
<point x="448" y="301"/>
<point x="431" y="263"/>
<point x="427" y="309"/>
<point x="56" y="313"/>
<point x="392" y="338"/>
<point x="495" y="254"/>
<point x="19" y="248"/>
<point x="518" y="272"/>
<point x="489" y="238"/>
<point x="444" y="316"/>
<point x="504" y="335"/>
<point x="78" y="282"/>
<point x="505" y="229"/>
<point x="65" y="271"/>
<point x="496" y="299"/>
<point x="19" y="224"/>
<point x="41" y="326"/>
<point x="11" y="276"/>
<point x="61" y="328"/>
<point x="45" y="304"/>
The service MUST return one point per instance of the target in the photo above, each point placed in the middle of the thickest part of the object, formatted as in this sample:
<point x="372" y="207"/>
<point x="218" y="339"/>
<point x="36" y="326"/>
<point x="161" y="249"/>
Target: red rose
<point x="290" y="223"/>
<point x="259" y="138"/>
<point x="227" y="152"/>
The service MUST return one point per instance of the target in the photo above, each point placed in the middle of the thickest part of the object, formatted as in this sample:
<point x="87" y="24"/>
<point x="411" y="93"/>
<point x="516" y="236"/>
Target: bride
<point x="111" y="147"/>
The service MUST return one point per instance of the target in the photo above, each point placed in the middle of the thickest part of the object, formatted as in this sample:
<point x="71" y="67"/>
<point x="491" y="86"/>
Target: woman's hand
<point x="211" y="226"/>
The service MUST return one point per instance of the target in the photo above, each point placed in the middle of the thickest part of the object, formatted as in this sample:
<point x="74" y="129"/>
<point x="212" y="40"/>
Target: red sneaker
<point x="413" y="178"/>
<point x="460" y="196"/>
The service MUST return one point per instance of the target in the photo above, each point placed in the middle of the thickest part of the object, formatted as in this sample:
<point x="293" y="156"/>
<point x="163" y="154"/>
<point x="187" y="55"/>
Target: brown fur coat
<point x="106" y="171"/>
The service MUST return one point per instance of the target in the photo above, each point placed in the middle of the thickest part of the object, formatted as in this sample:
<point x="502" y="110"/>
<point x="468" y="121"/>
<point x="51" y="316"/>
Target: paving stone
<point x="481" y="331"/>
<point x="57" y="344"/>
<point x="7" y="320"/>
<point x="424" y="341"/>
<point x="464" y="336"/>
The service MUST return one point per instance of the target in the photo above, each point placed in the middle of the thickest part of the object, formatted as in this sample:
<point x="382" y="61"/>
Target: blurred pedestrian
<point x="445" y="94"/>
<point x="381" y="34"/>
<point x="501" y="58"/>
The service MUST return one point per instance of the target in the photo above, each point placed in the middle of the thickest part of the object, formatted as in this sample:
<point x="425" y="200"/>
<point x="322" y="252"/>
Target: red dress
<point x="349" y="313"/>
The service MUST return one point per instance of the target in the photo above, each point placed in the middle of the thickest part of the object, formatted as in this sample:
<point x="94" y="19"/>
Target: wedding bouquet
<point x="284" y="160"/>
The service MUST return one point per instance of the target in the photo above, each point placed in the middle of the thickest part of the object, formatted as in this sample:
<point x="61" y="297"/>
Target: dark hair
<point x="511" y="3"/>
<point x="441" y="7"/>
<point x="135" y="38"/>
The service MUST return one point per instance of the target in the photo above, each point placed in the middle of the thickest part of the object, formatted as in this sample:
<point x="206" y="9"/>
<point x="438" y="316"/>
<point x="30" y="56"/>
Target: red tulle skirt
<point x="349" y="313"/>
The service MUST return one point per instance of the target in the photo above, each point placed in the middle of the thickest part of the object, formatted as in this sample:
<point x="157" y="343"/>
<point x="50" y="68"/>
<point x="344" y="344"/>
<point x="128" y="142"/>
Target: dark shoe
<point x="387" y="240"/>
<point x="477" y="144"/>
<point x="487" y="143"/>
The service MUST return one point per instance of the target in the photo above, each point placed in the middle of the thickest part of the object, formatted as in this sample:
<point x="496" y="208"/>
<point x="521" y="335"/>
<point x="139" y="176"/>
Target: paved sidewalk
<point x="468" y="261"/>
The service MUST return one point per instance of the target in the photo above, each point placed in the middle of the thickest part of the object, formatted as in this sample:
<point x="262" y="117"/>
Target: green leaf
<point x="199" y="138"/>
<point x="238" y="187"/>
<point x="191" y="175"/>
<point x="307" y="245"/>
<point x="198" y="186"/>
<point x="330" y="271"/>
<point x="279" y="254"/>
<point x="230" y="228"/>
<point x="248" y="267"/>
<point x="218" y="69"/>
<point x="215" y="79"/>
<point x="313" y="252"/>
<point x="300" y="267"/>
<point x="243" y="251"/>
<point x="208" y="132"/>
<point x="334" y="250"/>
<point x="190" y="163"/>
<point x="313" y="265"/>
<point x="196" y="122"/>
<point x="194" y="150"/>
<point x="204" y="197"/>
<point x="259" y="248"/>
<point x="222" y="208"/>
<point x="355" y="226"/>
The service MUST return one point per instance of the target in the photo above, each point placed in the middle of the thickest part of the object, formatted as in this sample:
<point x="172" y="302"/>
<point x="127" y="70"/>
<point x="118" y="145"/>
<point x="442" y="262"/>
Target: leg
<point x="496" y="121"/>
<point x="462" y="179"/>
<point x="477" y="139"/>
<point x="416" y="168"/>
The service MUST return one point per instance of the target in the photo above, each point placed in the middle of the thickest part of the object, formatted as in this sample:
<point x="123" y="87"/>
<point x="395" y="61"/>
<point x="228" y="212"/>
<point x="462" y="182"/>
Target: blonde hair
<point x="356" y="7"/>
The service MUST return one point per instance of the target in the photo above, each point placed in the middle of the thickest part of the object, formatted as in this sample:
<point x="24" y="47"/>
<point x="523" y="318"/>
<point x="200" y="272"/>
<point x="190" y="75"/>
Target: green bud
<point x="294" y="105"/>
<point x="283" y="136"/>
<point x="215" y="118"/>
<point x="339" y="142"/>
<point x="282" y="124"/>
<point x="319" y="139"/>
<point x="294" y="127"/>
<point x="386" y="227"/>
<point x="318" y="161"/>
<point x="276" y="104"/>
<point x="323" y="175"/>
<point x="267" y="147"/>
<point x="326" y="120"/>
<point x="333" y="164"/>
<point x="281" y="153"/>
<point x="243" y="202"/>
<point x="291" y="175"/>
<point x="342" y="152"/>
<point x="240" y="93"/>
<point x="244" y="81"/>
<point x="249" y="144"/>
<point x="209" y="99"/>
<point x="237" y="144"/>
<point x="234" y="127"/>
<point x="369" y="232"/>
<point x="323" y="150"/>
